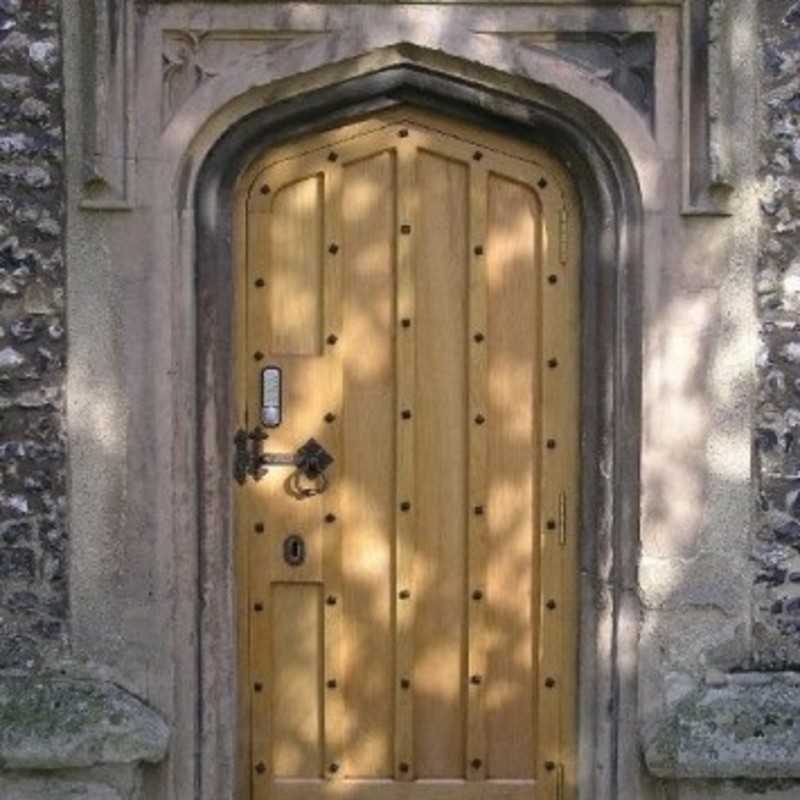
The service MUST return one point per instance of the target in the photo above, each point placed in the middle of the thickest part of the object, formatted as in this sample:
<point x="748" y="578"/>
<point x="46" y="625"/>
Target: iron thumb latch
<point x="310" y="460"/>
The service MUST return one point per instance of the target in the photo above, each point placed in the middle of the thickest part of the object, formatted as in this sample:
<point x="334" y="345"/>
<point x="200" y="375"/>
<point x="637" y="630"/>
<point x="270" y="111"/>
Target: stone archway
<point x="614" y="235"/>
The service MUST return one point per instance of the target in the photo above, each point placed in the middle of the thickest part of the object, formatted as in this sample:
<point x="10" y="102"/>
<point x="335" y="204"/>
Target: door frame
<point x="613" y="236"/>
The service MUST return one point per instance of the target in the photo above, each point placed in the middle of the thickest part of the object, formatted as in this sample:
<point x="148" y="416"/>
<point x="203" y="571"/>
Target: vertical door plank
<point x="256" y="570"/>
<point x="513" y="444"/>
<point x="406" y="500"/>
<point x="331" y="499"/>
<point x="368" y="458"/>
<point x="296" y="685"/>
<point x="476" y="753"/>
<point x="559" y="493"/>
<point x="296" y="232"/>
<point x="441" y="455"/>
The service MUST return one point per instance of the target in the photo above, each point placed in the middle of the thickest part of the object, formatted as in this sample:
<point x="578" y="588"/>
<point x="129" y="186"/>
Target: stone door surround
<point x="177" y="100"/>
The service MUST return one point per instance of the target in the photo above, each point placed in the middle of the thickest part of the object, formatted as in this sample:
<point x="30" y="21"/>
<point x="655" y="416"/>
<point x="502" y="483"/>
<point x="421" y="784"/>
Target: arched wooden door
<point x="409" y="301"/>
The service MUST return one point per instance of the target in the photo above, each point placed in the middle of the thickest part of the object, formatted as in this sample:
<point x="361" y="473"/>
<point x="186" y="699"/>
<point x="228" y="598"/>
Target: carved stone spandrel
<point x="624" y="60"/>
<point x="192" y="57"/>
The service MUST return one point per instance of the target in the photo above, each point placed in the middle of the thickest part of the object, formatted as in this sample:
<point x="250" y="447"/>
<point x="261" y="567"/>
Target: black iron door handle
<point x="310" y="460"/>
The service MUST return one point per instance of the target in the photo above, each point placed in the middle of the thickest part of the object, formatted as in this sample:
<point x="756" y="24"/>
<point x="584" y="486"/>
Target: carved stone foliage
<point x="192" y="57"/>
<point x="626" y="61"/>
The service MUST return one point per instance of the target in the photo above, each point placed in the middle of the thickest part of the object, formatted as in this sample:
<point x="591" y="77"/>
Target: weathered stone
<point x="702" y="581"/>
<point x="744" y="728"/>
<point x="22" y="601"/>
<point x="58" y="723"/>
<point x="43" y="397"/>
<point x="39" y="299"/>
<point x="8" y="286"/>
<point x="791" y="286"/>
<point x="44" y="56"/>
<point x="35" y="110"/>
<point x="17" y="562"/>
<point x="15" y="144"/>
<point x="15" y="531"/>
<point x="13" y="86"/>
<point x="32" y="177"/>
<point x="37" y="177"/>
<point x="13" y="46"/>
<point x="10" y="359"/>
<point x="792" y="15"/>
<point x="33" y="598"/>
<point x="23" y="329"/>
<point x="49" y="227"/>
<point x="32" y="788"/>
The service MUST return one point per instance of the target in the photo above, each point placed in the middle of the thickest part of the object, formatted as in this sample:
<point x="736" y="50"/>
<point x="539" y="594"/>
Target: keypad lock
<point x="271" y="396"/>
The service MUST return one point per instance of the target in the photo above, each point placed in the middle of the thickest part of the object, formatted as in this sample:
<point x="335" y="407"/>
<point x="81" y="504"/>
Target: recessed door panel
<point x="295" y="680"/>
<point x="408" y="589"/>
<point x="295" y="253"/>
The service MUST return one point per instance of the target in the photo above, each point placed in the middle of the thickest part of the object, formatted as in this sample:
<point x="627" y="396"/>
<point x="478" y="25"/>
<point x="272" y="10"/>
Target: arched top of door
<point x="533" y="95"/>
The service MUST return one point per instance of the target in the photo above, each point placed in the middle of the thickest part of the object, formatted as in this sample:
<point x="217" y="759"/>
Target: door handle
<point x="310" y="461"/>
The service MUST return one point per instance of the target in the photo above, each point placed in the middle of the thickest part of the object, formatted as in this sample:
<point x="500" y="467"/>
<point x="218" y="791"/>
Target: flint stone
<point x="37" y="177"/>
<point x="44" y="56"/>
<point x="34" y="110"/>
<point x="744" y="727"/>
<point x="43" y="397"/>
<point x="791" y="352"/>
<point x="791" y="285"/>
<point x="15" y="143"/>
<point x="14" y="45"/>
<point x="10" y="358"/>
<point x="65" y="723"/>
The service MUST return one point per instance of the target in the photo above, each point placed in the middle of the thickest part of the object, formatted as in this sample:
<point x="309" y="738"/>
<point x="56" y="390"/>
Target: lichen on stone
<point x="748" y="726"/>
<point x="49" y="723"/>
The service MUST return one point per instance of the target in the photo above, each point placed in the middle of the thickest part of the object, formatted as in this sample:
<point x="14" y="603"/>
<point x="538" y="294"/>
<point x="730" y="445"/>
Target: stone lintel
<point x="744" y="726"/>
<point x="49" y="723"/>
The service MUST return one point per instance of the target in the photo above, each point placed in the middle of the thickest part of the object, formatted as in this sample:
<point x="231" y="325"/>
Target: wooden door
<point x="415" y="280"/>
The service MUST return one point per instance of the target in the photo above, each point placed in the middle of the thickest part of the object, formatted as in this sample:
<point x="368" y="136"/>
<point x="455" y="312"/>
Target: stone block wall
<point x="33" y="590"/>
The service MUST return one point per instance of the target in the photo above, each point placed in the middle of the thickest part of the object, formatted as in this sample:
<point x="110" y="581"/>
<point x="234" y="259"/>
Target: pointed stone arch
<point x="617" y="181"/>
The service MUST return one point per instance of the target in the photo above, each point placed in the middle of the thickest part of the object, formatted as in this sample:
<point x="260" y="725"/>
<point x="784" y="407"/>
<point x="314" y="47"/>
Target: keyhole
<point x="294" y="550"/>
